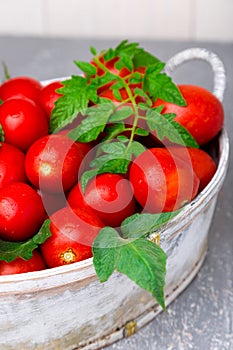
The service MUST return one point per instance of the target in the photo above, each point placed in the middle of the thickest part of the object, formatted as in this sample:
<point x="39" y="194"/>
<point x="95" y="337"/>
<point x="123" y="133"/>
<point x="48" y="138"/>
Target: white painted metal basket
<point x="67" y="308"/>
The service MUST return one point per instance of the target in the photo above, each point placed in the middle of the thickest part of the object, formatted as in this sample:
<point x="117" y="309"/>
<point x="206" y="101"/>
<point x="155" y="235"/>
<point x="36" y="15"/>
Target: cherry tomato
<point x="23" y="122"/>
<point x="21" y="212"/>
<point x="19" y="265"/>
<point x="202" y="163"/>
<point x="109" y="195"/>
<point x="20" y="87"/>
<point x="73" y="232"/>
<point x="11" y="165"/>
<point x="162" y="182"/>
<point x="52" y="163"/>
<point x="48" y="96"/>
<point x="203" y="116"/>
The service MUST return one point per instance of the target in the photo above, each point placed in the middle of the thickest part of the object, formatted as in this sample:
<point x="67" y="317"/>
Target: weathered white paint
<point x="67" y="308"/>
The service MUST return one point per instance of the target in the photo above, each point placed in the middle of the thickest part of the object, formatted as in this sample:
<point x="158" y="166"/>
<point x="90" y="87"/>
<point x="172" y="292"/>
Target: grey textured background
<point x="202" y="317"/>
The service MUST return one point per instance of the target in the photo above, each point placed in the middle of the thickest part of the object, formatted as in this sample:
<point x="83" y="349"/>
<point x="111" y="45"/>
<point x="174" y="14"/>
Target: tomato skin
<point x="48" y="96"/>
<point x="162" y="182"/>
<point x="21" y="212"/>
<point x="203" y="116"/>
<point x="202" y="163"/>
<point x="11" y="165"/>
<point x="110" y="196"/>
<point x="19" y="265"/>
<point x="73" y="232"/>
<point x="20" y="87"/>
<point x="23" y="122"/>
<point x="52" y="163"/>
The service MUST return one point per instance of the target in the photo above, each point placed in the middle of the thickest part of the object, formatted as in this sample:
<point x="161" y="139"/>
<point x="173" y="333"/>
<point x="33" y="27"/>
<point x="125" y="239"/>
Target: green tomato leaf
<point x="104" y="252"/>
<point x="160" y="85"/>
<point x="86" y="67"/>
<point x="9" y="251"/>
<point x="139" y="225"/>
<point x="75" y="96"/>
<point x="114" y="130"/>
<point x="144" y="263"/>
<point x="141" y="260"/>
<point x="135" y="149"/>
<point x="93" y="124"/>
<point x="143" y="58"/>
<point x="86" y="177"/>
<point x="121" y="114"/>
<point x="167" y="128"/>
<point x="141" y="132"/>
<point x="93" y="50"/>
<point x="113" y="148"/>
<point x="125" y="61"/>
<point x="100" y="81"/>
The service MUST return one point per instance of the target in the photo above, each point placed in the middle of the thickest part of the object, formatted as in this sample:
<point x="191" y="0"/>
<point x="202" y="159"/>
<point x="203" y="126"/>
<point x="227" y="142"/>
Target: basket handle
<point x="205" y="55"/>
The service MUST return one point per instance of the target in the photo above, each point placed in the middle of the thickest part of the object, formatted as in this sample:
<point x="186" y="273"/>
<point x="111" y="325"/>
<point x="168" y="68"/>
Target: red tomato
<point x="19" y="265"/>
<point x="11" y="165"/>
<point x="73" y="232"/>
<point x="109" y="195"/>
<point x="202" y="163"/>
<point x="52" y="163"/>
<point x="203" y="116"/>
<point x="23" y="122"/>
<point x="162" y="182"/>
<point x="20" y="87"/>
<point x="48" y="96"/>
<point x="21" y="212"/>
<point x="83" y="146"/>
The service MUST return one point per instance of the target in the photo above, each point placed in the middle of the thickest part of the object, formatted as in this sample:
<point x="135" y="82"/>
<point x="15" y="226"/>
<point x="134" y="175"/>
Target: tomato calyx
<point x="68" y="256"/>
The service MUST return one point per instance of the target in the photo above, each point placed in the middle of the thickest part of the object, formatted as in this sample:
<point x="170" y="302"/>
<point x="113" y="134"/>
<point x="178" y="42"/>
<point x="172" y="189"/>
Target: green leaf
<point x="116" y="148"/>
<point x="93" y="50"/>
<point x="104" y="252"/>
<point x="12" y="250"/>
<point x="103" y="80"/>
<point x="141" y="260"/>
<point x="167" y="128"/>
<point x="86" y="177"/>
<point x="125" y="61"/>
<point x="111" y="163"/>
<point x="135" y="148"/>
<point x="139" y="225"/>
<point x="76" y="94"/>
<point x="86" y="67"/>
<point x="126" y="48"/>
<point x="143" y="58"/>
<point x="114" y="130"/>
<point x="141" y="132"/>
<point x="160" y="85"/>
<point x="144" y="263"/>
<point x="121" y="114"/>
<point x="94" y="123"/>
<point x="117" y="95"/>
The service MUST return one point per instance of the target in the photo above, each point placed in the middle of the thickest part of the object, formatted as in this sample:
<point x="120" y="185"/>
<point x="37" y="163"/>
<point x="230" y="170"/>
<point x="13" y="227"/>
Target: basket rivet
<point x="130" y="329"/>
<point x="155" y="238"/>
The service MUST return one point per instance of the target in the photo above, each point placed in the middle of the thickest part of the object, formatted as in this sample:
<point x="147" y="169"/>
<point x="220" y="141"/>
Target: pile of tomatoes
<point x="40" y="173"/>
